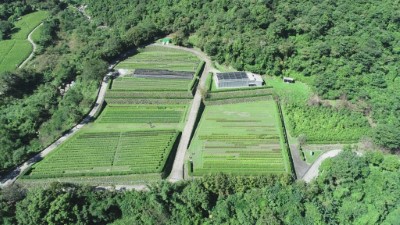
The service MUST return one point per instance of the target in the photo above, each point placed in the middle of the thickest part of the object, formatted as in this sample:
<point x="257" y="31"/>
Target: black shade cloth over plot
<point x="232" y="76"/>
<point x="154" y="73"/>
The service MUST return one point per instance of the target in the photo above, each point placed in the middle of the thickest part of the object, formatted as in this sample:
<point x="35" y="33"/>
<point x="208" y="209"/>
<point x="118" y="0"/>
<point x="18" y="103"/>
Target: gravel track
<point x="33" y="45"/>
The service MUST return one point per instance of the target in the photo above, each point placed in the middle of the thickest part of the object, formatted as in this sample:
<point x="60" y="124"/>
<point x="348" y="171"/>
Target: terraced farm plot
<point x="142" y="114"/>
<point x="146" y="84"/>
<point x="108" y="153"/>
<point x="241" y="139"/>
<point x="154" y="57"/>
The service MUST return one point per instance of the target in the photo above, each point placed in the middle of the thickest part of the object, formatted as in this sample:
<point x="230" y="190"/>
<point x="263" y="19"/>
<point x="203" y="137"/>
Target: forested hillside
<point x="350" y="190"/>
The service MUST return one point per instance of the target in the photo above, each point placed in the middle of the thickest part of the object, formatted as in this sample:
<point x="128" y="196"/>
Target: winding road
<point x="33" y="45"/>
<point x="314" y="169"/>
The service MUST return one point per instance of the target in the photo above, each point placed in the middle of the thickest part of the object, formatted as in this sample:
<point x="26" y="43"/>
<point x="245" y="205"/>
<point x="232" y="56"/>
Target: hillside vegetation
<point x="350" y="190"/>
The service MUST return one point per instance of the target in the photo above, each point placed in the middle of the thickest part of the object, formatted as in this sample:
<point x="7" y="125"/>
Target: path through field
<point x="13" y="175"/>
<point x="314" y="169"/>
<point x="33" y="45"/>
<point x="177" y="169"/>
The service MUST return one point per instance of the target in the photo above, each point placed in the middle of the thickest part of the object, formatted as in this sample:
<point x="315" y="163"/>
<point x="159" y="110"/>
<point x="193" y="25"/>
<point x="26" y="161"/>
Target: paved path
<point x="33" y="45"/>
<point x="13" y="175"/>
<point x="177" y="168"/>
<point x="314" y="169"/>
<point x="300" y="166"/>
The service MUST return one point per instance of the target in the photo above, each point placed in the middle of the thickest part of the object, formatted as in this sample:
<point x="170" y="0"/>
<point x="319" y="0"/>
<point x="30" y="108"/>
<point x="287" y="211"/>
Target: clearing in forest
<point x="14" y="51"/>
<point x="241" y="138"/>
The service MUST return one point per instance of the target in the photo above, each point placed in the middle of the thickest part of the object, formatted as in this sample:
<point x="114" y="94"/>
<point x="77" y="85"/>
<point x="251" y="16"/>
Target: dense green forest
<point x="350" y="190"/>
<point x="343" y="49"/>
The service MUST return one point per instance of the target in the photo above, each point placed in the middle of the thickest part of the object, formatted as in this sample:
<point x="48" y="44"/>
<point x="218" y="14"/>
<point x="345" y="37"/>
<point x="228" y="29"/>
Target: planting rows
<point x="108" y="153"/>
<point x="145" y="84"/>
<point x="241" y="138"/>
<point x="161" y="58"/>
<point x="142" y="114"/>
<point x="129" y="135"/>
<point x="13" y="53"/>
<point x="121" y="94"/>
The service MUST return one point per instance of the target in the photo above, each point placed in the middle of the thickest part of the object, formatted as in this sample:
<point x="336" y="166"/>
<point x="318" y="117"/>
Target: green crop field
<point x="142" y="114"/>
<point x="153" y="57"/>
<point x="27" y="23"/>
<point x="149" y="84"/>
<point x="119" y="142"/>
<point x="241" y="138"/>
<point x="107" y="153"/>
<point x="134" y="134"/>
<point x="14" y="51"/>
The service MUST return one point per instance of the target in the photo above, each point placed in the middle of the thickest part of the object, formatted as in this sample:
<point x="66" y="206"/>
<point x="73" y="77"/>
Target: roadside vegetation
<point x="350" y="190"/>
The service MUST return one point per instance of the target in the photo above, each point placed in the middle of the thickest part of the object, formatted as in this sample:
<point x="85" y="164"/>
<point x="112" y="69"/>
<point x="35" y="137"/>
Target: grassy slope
<point x="15" y="51"/>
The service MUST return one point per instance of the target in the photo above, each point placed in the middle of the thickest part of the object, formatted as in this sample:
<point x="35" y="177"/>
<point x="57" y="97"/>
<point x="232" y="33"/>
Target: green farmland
<point x="142" y="114"/>
<point x="148" y="84"/>
<point x="135" y="134"/>
<point x="153" y="57"/>
<point x="241" y="138"/>
<point x="107" y="153"/>
<point x="14" y="51"/>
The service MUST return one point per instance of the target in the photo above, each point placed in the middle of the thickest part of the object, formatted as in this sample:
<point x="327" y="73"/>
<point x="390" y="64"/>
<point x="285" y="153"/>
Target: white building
<point x="237" y="79"/>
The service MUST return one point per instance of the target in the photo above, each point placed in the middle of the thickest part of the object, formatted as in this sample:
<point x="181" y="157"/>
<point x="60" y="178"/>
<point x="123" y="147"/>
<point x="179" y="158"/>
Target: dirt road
<point x="33" y="45"/>
<point x="314" y="169"/>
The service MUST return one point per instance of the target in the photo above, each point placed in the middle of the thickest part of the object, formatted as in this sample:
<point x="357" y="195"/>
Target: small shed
<point x="288" y="80"/>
